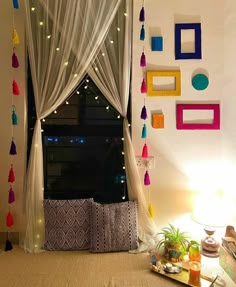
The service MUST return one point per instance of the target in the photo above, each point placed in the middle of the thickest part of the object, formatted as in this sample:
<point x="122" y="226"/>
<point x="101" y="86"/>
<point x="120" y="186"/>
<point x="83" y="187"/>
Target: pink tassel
<point x="15" y="62"/>
<point x="143" y="60"/>
<point x="9" y="219"/>
<point x="15" y="88"/>
<point x="143" y="87"/>
<point x="145" y="151"/>
<point x="147" y="178"/>
<point x="11" y="176"/>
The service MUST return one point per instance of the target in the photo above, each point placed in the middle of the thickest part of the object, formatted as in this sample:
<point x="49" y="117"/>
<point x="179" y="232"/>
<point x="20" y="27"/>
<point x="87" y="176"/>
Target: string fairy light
<point x="35" y="9"/>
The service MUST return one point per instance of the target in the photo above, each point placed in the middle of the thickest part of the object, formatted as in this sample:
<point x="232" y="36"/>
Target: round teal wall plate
<point x="200" y="82"/>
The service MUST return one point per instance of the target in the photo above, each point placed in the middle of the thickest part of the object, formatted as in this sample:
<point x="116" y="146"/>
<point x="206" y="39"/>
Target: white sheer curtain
<point x="111" y="73"/>
<point x="63" y="37"/>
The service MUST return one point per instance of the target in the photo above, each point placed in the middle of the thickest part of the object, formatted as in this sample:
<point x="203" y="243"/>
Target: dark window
<point x="83" y="148"/>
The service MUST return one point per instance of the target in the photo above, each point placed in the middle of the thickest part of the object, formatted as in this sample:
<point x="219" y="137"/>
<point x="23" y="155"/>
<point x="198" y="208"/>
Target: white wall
<point x="185" y="158"/>
<point x="7" y="73"/>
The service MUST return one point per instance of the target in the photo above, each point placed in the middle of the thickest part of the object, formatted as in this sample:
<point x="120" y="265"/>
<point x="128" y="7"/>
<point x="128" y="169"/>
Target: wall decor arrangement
<point x="144" y="113"/>
<point x="155" y="90"/>
<point x="14" y="121"/>
<point x="197" y="53"/>
<point x="181" y="124"/>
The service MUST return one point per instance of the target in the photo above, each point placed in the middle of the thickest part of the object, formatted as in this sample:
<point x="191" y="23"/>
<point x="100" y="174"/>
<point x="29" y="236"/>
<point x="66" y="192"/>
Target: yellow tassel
<point x="15" y="37"/>
<point x="151" y="210"/>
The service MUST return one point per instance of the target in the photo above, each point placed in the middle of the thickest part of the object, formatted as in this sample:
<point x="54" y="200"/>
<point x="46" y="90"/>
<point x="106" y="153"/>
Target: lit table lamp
<point x="212" y="210"/>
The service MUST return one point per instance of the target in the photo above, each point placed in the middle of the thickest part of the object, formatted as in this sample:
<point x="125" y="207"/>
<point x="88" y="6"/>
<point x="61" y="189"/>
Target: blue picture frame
<point x="197" y="54"/>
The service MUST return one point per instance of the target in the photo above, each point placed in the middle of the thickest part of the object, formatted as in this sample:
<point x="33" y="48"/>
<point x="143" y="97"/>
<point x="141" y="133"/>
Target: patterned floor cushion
<point x="67" y="224"/>
<point x="114" y="227"/>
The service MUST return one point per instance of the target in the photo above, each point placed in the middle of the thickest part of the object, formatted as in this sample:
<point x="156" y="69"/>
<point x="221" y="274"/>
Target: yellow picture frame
<point x="152" y="74"/>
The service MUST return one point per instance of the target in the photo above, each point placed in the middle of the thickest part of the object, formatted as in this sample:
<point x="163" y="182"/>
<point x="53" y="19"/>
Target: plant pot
<point x="172" y="255"/>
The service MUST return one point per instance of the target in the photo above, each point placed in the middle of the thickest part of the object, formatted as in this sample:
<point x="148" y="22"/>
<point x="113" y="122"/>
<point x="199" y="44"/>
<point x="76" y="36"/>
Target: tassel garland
<point x="144" y="131"/>
<point x="147" y="178"/>
<point x="11" y="175"/>
<point x="15" y="62"/>
<point x="142" y="33"/>
<point x="12" y="148"/>
<point x="143" y="87"/>
<point x="142" y="15"/>
<point x="15" y="37"/>
<point x="14" y="117"/>
<point x="143" y="113"/>
<point x="15" y="88"/>
<point x="143" y="60"/>
<point x="11" y="196"/>
<point x="145" y="151"/>
<point x="15" y="4"/>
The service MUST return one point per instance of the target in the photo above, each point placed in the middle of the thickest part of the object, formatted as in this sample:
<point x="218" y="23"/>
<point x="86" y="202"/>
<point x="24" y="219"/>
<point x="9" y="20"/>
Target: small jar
<point x="194" y="273"/>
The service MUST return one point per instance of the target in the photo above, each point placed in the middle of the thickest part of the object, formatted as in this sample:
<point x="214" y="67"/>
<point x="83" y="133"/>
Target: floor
<point x="82" y="269"/>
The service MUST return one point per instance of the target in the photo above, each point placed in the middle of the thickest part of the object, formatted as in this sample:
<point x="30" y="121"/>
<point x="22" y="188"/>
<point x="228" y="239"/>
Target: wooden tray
<point x="183" y="276"/>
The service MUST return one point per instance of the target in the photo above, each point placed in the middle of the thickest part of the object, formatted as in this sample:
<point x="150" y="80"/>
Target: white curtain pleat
<point x="63" y="37"/>
<point x="111" y="73"/>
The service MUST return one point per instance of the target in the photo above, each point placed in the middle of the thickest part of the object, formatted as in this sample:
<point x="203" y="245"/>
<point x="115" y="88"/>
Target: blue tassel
<point x="15" y="4"/>
<point x="142" y="15"/>
<point x="142" y="33"/>
<point x="144" y="132"/>
<point x="14" y="117"/>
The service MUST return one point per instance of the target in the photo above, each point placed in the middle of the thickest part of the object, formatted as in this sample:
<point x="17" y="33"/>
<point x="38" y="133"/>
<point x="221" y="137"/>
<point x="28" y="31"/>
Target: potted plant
<point x="174" y="242"/>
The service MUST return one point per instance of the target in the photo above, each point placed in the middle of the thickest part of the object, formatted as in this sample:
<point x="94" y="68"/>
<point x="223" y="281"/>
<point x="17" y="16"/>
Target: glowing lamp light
<point x="212" y="209"/>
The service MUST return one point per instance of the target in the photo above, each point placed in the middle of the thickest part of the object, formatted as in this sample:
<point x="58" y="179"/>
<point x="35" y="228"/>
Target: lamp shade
<point x="213" y="209"/>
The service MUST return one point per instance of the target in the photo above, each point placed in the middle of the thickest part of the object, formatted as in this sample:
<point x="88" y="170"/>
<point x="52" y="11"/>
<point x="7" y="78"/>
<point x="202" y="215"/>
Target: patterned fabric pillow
<point x="67" y="224"/>
<point x="114" y="227"/>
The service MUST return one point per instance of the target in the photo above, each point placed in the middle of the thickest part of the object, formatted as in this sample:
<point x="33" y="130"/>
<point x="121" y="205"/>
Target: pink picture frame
<point x="181" y="125"/>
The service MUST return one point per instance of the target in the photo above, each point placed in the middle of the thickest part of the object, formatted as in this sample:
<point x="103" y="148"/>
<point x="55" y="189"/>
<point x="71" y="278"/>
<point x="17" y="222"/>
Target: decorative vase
<point x="172" y="254"/>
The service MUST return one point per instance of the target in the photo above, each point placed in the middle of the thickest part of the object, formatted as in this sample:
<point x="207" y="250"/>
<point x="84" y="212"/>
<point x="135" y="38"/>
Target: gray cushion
<point x="114" y="227"/>
<point x="67" y="224"/>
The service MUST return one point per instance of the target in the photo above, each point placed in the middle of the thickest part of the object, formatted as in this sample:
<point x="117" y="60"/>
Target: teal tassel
<point x="144" y="131"/>
<point x="14" y="117"/>
<point x="15" y="4"/>
<point x="142" y="33"/>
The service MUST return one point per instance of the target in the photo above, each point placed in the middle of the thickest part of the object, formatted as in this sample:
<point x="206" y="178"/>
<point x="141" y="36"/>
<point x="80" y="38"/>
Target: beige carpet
<point x="78" y="268"/>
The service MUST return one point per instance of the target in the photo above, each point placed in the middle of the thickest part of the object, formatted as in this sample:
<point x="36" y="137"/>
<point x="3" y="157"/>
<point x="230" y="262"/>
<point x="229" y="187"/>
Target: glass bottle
<point x="194" y="252"/>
